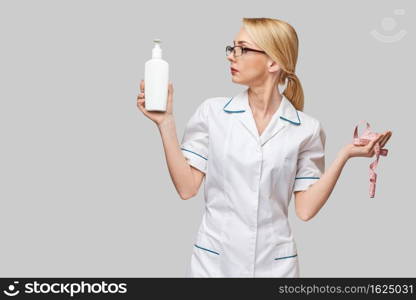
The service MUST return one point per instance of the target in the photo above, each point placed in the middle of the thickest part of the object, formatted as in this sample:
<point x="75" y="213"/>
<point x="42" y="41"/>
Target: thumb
<point x="170" y="88"/>
<point x="170" y="95"/>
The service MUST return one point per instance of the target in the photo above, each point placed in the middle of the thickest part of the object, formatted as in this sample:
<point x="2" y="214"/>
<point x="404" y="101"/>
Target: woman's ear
<point x="273" y="66"/>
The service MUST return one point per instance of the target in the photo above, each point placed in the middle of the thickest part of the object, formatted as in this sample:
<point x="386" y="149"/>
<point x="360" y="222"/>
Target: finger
<point x="142" y="86"/>
<point x="170" y="91"/>
<point x="171" y="86"/>
<point x="384" y="141"/>
<point x="170" y="95"/>
<point x="140" y="104"/>
<point x="372" y="152"/>
<point x="141" y="101"/>
<point x="383" y="138"/>
<point x="371" y="144"/>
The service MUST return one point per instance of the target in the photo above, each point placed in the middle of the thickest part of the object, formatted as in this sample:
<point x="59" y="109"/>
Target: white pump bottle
<point x="156" y="80"/>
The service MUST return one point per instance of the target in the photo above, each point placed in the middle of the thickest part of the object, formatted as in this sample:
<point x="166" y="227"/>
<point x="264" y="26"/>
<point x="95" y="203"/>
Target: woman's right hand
<point x="156" y="116"/>
<point x="367" y="149"/>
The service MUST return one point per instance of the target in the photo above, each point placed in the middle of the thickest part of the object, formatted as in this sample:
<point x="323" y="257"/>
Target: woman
<point x="255" y="150"/>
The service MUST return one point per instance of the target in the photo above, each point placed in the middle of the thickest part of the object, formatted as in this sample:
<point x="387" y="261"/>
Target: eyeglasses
<point x="239" y="50"/>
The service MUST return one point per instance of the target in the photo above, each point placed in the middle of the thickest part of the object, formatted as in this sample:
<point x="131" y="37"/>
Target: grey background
<point x="85" y="189"/>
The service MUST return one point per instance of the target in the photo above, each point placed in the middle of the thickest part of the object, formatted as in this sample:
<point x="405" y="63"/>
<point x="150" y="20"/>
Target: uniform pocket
<point x="285" y="260"/>
<point x="285" y="251"/>
<point x="205" y="261"/>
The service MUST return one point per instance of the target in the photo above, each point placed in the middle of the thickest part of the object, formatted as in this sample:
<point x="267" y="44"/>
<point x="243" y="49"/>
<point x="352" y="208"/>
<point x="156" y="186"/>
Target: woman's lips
<point x="233" y="70"/>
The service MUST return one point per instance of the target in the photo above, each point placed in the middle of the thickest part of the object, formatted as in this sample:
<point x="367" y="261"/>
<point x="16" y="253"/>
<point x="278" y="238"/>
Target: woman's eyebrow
<point x="241" y="42"/>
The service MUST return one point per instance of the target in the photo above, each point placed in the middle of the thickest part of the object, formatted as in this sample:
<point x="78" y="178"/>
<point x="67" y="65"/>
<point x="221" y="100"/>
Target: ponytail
<point x="294" y="91"/>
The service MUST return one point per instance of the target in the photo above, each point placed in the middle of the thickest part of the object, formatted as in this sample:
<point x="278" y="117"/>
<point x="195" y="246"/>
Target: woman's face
<point x="252" y="67"/>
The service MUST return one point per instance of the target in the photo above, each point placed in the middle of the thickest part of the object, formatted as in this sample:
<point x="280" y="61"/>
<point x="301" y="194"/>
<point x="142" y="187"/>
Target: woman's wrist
<point x="344" y="153"/>
<point x="166" y="121"/>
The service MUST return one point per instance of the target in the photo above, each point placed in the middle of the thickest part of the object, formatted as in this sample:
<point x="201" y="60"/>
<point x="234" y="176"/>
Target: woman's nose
<point x="231" y="57"/>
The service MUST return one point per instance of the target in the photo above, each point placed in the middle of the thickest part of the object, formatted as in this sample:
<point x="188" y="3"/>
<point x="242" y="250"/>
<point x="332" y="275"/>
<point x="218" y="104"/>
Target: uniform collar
<point x="284" y="116"/>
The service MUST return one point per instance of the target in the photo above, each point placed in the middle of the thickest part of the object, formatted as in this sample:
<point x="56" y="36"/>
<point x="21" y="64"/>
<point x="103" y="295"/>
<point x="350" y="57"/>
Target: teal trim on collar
<point x="293" y="122"/>
<point x="232" y="111"/>
<point x="287" y="112"/>
<point x="306" y="177"/>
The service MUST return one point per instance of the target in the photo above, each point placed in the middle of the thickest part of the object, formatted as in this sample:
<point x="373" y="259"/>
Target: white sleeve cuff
<point x="195" y="159"/>
<point x="303" y="183"/>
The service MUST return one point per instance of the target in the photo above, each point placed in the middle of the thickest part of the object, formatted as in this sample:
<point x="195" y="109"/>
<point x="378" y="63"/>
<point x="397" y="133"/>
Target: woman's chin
<point x="235" y="79"/>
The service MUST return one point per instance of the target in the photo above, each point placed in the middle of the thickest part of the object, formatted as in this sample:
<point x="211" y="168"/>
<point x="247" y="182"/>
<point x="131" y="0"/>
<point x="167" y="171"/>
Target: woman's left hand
<point x="368" y="150"/>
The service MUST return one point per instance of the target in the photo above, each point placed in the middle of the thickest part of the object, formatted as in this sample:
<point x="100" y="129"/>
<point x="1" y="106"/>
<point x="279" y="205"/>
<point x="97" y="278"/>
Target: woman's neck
<point x="264" y="101"/>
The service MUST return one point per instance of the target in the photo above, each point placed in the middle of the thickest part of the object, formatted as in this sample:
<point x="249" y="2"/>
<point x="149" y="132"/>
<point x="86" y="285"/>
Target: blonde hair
<point x="280" y="41"/>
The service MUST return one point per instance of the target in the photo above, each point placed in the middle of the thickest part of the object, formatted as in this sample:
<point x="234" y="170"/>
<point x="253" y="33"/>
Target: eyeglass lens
<point x="237" y="50"/>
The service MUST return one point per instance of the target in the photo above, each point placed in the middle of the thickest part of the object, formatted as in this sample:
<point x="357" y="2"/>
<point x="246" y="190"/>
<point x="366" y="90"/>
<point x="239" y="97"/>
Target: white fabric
<point x="249" y="182"/>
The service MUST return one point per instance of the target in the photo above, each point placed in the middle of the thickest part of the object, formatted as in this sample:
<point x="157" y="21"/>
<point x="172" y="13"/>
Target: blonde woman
<point x="254" y="150"/>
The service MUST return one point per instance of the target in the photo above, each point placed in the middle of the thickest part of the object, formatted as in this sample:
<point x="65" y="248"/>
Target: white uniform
<point x="249" y="182"/>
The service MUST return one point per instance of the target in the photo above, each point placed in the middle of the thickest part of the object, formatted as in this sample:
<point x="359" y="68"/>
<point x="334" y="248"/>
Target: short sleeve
<point x="311" y="160"/>
<point x="194" y="143"/>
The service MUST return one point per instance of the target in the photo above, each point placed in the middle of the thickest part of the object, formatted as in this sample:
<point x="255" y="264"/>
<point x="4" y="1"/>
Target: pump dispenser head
<point x="157" y="51"/>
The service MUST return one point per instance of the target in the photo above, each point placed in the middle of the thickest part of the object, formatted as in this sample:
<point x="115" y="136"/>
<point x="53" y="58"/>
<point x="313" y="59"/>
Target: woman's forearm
<point x="179" y="170"/>
<point x="318" y="193"/>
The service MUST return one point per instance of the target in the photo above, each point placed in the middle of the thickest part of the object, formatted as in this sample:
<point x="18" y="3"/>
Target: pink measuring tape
<point x="364" y="139"/>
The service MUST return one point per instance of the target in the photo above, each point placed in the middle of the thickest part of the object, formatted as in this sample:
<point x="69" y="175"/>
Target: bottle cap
<point x="157" y="51"/>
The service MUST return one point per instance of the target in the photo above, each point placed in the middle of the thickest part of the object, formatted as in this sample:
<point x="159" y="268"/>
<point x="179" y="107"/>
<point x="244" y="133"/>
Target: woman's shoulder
<point x="212" y="101"/>
<point x="309" y="122"/>
<point x="214" y="104"/>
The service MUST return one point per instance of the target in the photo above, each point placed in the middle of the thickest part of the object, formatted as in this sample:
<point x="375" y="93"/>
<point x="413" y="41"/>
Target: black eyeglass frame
<point x="243" y="50"/>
